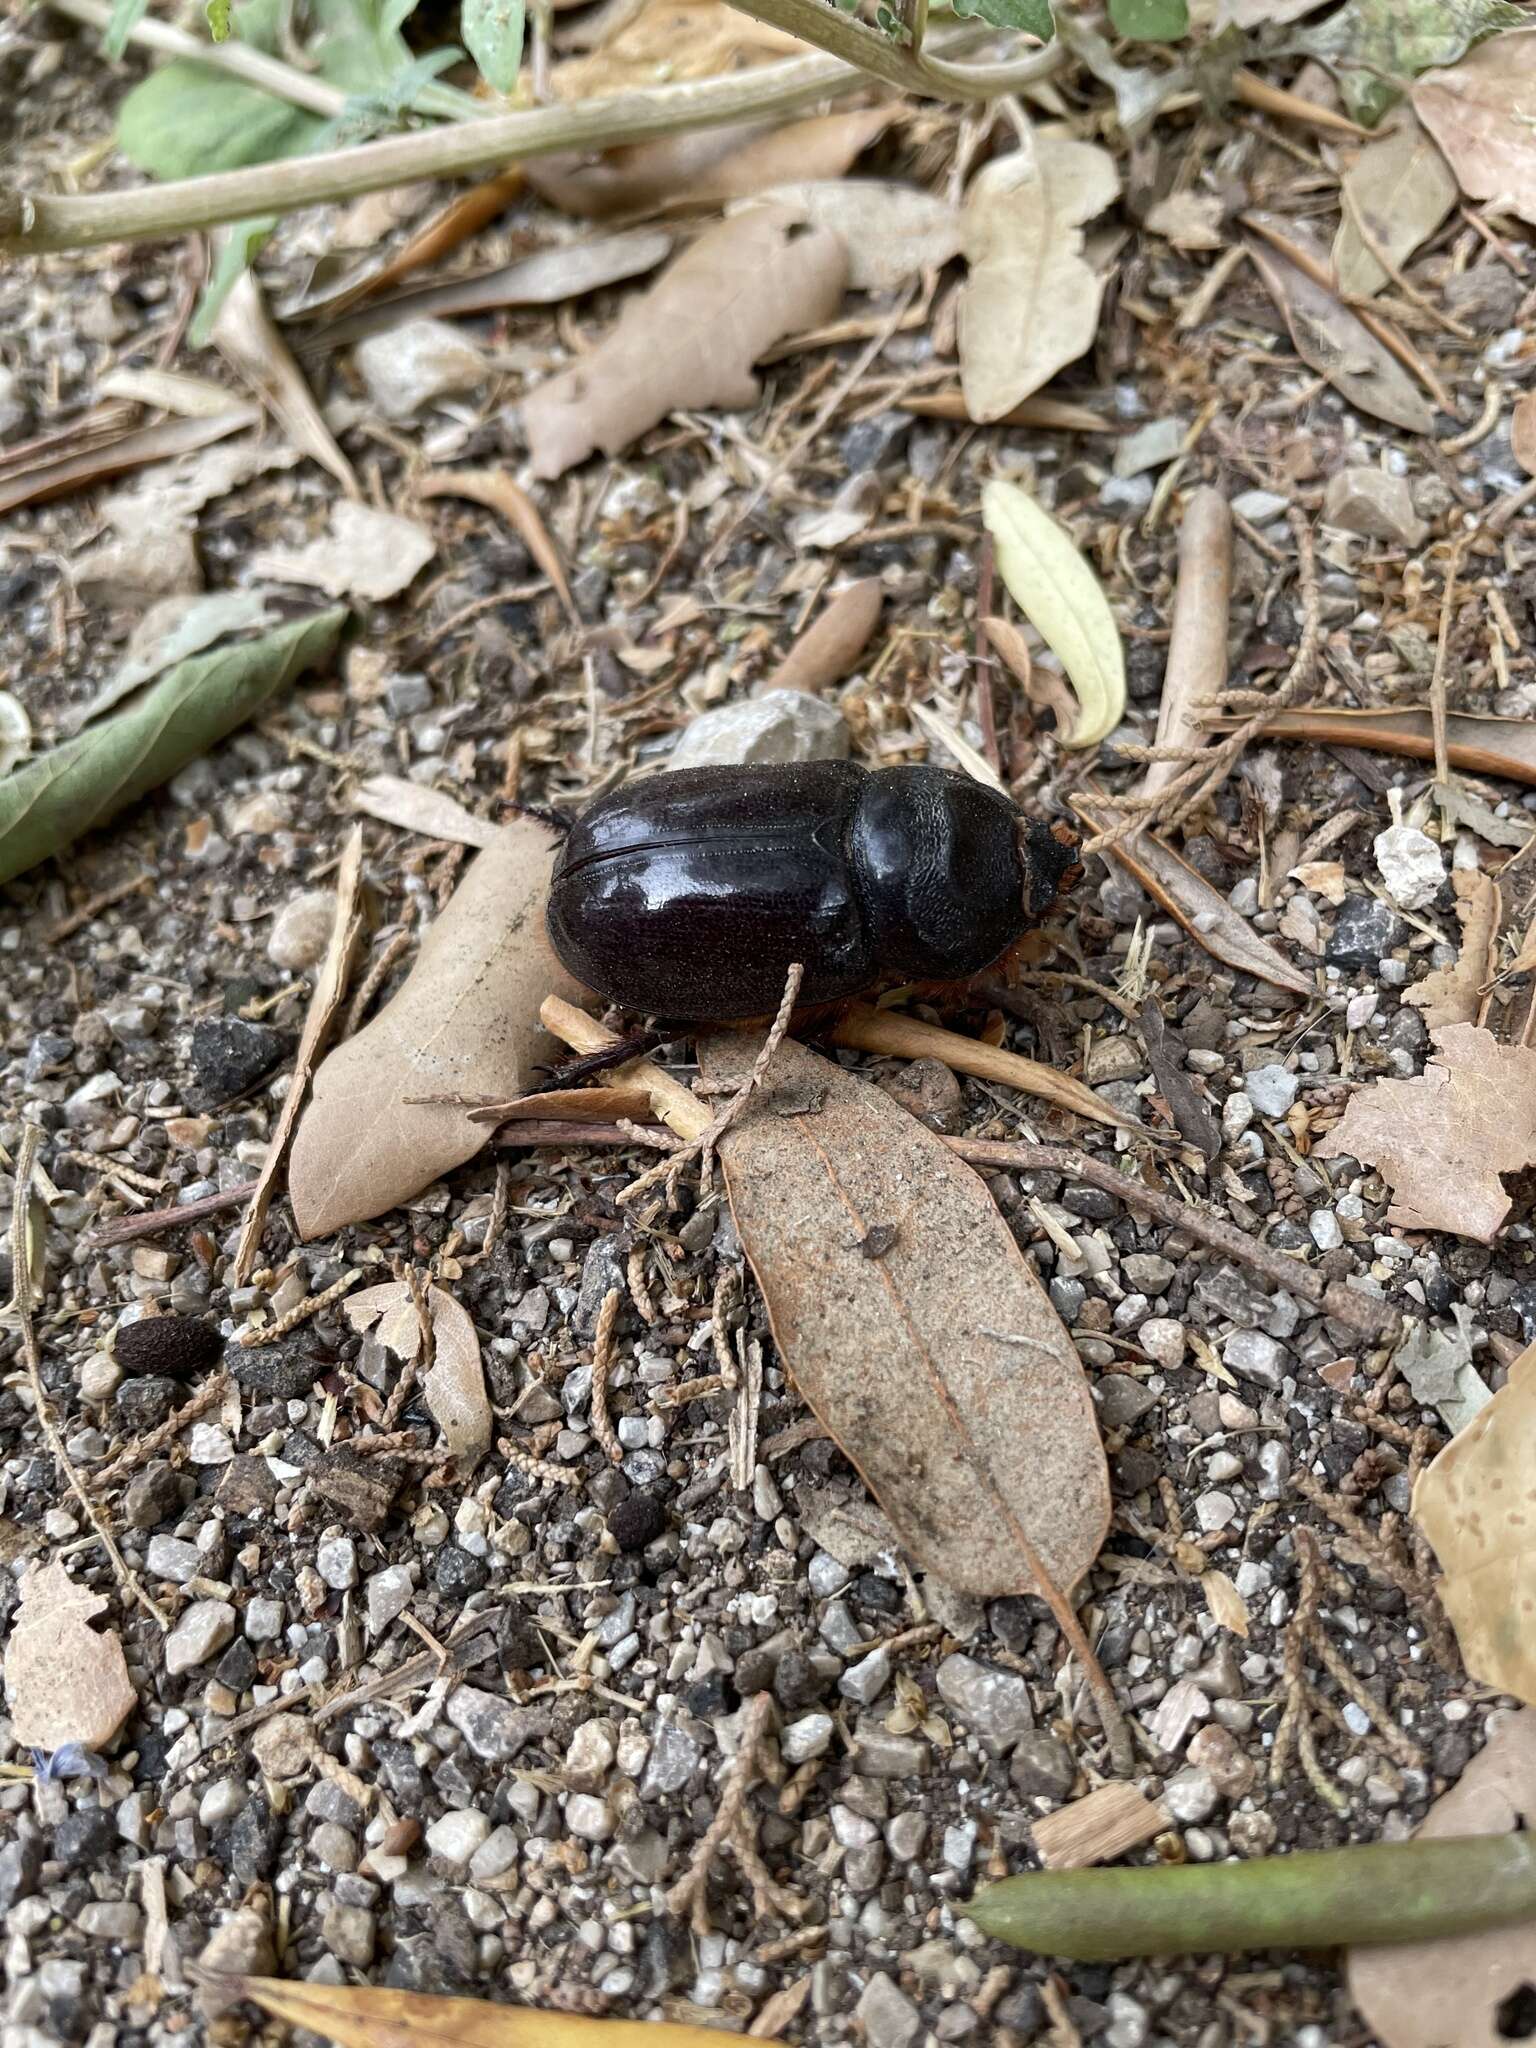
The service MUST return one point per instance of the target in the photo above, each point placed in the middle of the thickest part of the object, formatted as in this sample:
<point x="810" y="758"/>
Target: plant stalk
<point x="39" y="222"/>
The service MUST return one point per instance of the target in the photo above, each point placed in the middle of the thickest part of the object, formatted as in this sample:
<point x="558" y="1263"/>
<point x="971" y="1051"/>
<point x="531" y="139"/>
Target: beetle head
<point x="1051" y="866"/>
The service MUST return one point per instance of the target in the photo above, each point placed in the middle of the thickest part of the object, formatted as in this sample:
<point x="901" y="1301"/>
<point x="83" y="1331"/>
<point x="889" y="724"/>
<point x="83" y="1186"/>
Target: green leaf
<point x="219" y="20"/>
<point x="1375" y="47"/>
<point x="1150" y="21"/>
<point x="493" y="30"/>
<point x="187" y="118"/>
<point x="239" y="247"/>
<point x="1033" y="16"/>
<point x="126" y="16"/>
<point x="51" y="801"/>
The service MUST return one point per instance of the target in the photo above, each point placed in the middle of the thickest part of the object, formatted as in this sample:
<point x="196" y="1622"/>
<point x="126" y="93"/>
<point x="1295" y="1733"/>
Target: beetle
<point x="689" y="894"/>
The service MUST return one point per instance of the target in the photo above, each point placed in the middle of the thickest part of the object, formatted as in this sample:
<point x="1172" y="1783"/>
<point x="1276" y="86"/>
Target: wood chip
<point x="1114" y="1818"/>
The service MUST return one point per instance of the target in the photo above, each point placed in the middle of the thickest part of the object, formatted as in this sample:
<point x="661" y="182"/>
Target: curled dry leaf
<point x="692" y="339"/>
<point x="416" y="808"/>
<point x="1454" y="995"/>
<point x="1482" y="112"/>
<point x="1045" y="688"/>
<point x="710" y="167"/>
<point x="830" y="647"/>
<point x="363" y="2016"/>
<point x="1442" y="1141"/>
<point x="1059" y="594"/>
<point x="246" y="335"/>
<point x="489" y="487"/>
<point x="665" y="41"/>
<point x="1335" y="342"/>
<point x="464" y="1022"/>
<point x="1203" y="911"/>
<point x="940" y="1367"/>
<point x="64" y="1680"/>
<point x="1031" y="304"/>
<point x="454" y="1388"/>
<point x="1197" y="646"/>
<point x="1401" y="188"/>
<point x="366" y="553"/>
<point x="892" y="231"/>
<point x="1460" y="1989"/>
<point x="569" y="1105"/>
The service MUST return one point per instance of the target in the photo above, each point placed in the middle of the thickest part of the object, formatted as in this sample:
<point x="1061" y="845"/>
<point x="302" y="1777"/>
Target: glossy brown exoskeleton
<point x="688" y="895"/>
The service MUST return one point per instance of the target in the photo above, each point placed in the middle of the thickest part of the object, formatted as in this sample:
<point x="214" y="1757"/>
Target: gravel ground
<point x="306" y="1778"/>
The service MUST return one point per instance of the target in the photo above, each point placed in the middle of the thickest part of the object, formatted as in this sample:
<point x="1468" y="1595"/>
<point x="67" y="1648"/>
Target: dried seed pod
<point x="174" y="1347"/>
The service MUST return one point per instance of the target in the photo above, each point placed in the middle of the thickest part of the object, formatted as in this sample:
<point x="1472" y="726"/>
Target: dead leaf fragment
<point x="667" y="41"/>
<point x="1522" y="432"/>
<point x="362" y="2016"/>
<point x="489" y="487"/>
<point x="454" y="1388"/>
<point x="1401" y="188"/>
<point x="1031" y="304"/>
<point x="1437" y="1364"/>
<point x="64" y="1680"/>
<point x="1482" y="112"/>
<point x="692" y="339"/>
<point x="891" y="231"/>
<point x="941" y="1368"/>
<point x="247" y="337"/>
<point x="464" y="1022"/>
<point x="366" y="553"/>
<point x="1454" y="995"/>
<point x="1481" y="744"/>
<point x="1442" y="1141"/>
<point x="1225" y="1601"/>
<point x="830" y="647"/>
<point x="1332" y="340"/>
<point x="1190" y="220"/>
<point x="416" y="808"/>
<point x="1458" y="1993"/>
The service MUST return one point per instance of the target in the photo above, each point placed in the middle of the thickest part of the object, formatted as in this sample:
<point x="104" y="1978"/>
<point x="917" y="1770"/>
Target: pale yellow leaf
<point x="1225" y="1601"/>
<point x="1031" y="304"/>
<point x="417" y="808"/>
<point x="1059" y="594"/>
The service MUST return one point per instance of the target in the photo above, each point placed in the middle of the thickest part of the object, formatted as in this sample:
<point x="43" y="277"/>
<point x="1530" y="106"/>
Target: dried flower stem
<point x="311" y="1305"/>
<point x="602" y="1363"/>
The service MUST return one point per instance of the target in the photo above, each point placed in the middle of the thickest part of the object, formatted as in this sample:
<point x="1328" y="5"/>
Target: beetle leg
<point x="547" y="814"/>
<point x="574" y="1072"/>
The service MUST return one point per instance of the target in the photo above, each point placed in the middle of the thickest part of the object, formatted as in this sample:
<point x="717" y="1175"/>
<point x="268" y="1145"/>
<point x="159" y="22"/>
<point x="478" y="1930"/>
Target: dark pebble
<point x="1093" y="1203"/>
<point x="153" y="1496"/>
<point x="84" y="1839"/>
<point x="1022" y="2012"/>
<point x="253" y="1842"/>
<point x="1042" y="1766"/>
<point x="286" y="1372"/>
<point x="144" y="1404"/>
<point x="755" y="1671"/>
<point x="797" y="1681"/>
<point x="458" y="1573"/>
<point x="710" y="1697"/>
<point x="237" y="1667"/>
<point x="637" y="1521"/>
<point x="1364" y="931"/>
<point x="518" y="1644"/>
<point x="229" y="1056"/>
<point x="175" y="1347"/>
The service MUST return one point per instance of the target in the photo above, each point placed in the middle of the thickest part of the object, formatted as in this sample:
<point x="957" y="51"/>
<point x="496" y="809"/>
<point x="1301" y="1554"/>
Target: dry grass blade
<point x="247" y="338"/>
<point x="463" y="216"/>
<point x="934" y="1358"/>
<point x="415" y="808"/>
<point x="330" y="987"/>
<point x="1479" y="744"/>
<point x="118" y="457"/>
<point x="1056" y="415"/>
<point x="1197" y="645"/>
<point x="499" y="493"/>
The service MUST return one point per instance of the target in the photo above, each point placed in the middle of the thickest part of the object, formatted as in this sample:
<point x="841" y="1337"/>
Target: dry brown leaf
<point x="692" y="339"/>
<point x="1047" y="689"/>
<point x="1482" y="112"/>
<point x="464" y="1022"/>
<point x="415" y="808"/>
<point x="1454" y="995"/>
<point x="1112" y="1819"/>
<point x="1055" y="415"/>
<point x="934" y="1358"/>
<point x="891" y="231"/>
<point x="569" y="1105"/>
<point x="830" y="647"/>
<point x="365" y="553"/>
<point x="669" y="41"/>
<point x="454" y="1388"/>
<point x="1472" y="1503"/>
<point x="64" y="1680"/>
<point x="1402" y="188"/>
<point x="1460" y="1992"/>
<point x="330" y="987"/>
<point x="246" y="336"/>
<point x="500" y="494"/>
<point x="1031" y="303"/>
<point x="361" y="2016"/>
<point x="1203" y="911"/>
<point x="1332" y="340"/>
<point x="1522" y="432"/>
<point x="60" y="475"/>
<point x="1225" y="1601"/>
<point x="709" y="167"/>
<point x="1197" y="647"/>
<point x="1442" y="1141"/>
<point x="1190" y="220"/>
<point x="1324" y="878"/>
<point x="1480" y="744"/>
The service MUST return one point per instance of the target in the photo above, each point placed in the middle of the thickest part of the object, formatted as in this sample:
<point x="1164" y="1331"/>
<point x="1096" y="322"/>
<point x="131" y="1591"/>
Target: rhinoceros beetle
<point x="689" y="894"/>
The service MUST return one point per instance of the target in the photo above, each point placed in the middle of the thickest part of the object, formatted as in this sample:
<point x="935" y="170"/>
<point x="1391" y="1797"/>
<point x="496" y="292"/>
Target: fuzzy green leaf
<point x="1033" y="16"/>
<point x="493" y="32"/>
<point x="61" y="795"/>
<point x="126" y="16"/>
<point x="1375" y="47"/>
<point x="1150" y="21"/>
<point x="186" y="119"/>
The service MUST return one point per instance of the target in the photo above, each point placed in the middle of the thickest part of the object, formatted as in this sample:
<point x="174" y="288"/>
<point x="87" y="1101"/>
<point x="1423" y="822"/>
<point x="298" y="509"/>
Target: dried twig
<point x="732" y="1826"/>
<point x="602" y="1363"/>
<point x="124" y="1229"/>
<point x="31" y="1358"/>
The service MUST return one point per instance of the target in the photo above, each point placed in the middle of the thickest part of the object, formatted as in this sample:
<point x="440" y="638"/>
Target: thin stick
<point x="1437" y="679"/>
<point x="124" y="1229"/>
<point x="21" y="1281"/>
<point x="1197" y="644"/>
<point x="36" y="222"/>
<point x="602" y="1362"/>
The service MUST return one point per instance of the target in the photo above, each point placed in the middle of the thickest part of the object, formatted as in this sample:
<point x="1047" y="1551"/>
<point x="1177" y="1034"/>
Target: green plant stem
<point x="37" y="222"/>
<point x="1324" y="1898"/>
